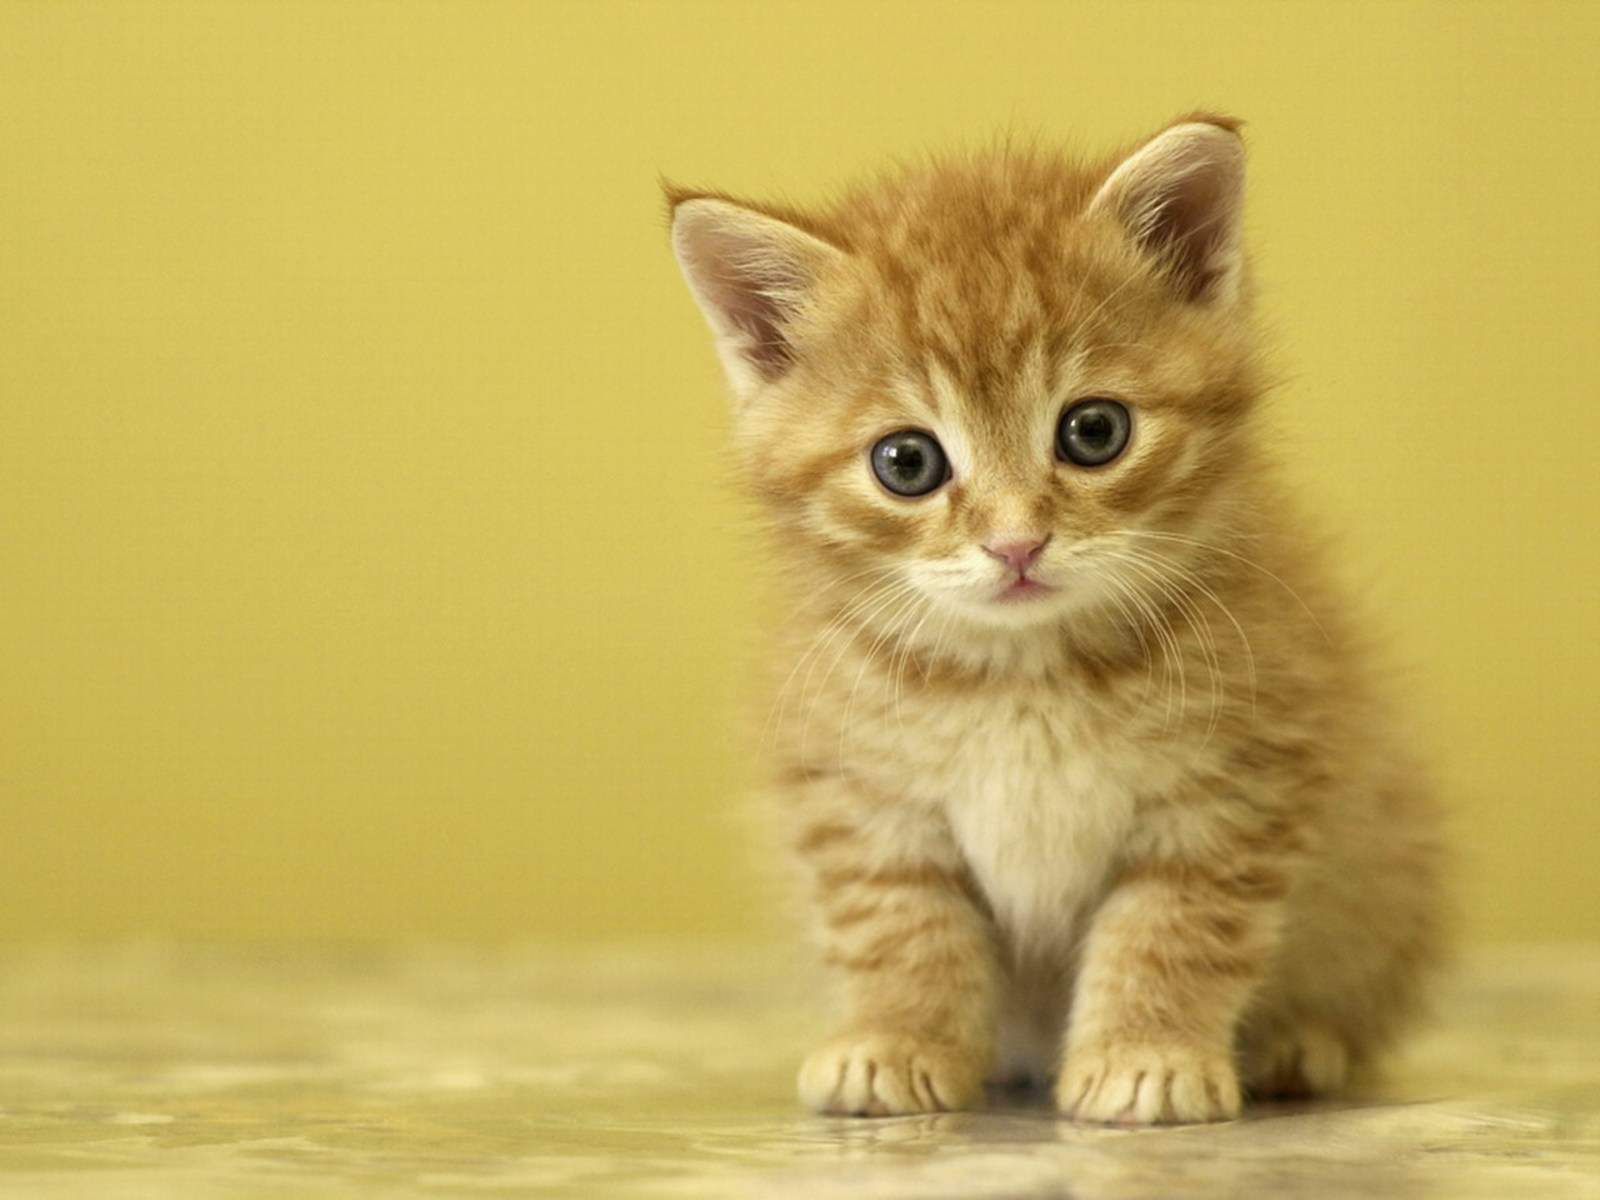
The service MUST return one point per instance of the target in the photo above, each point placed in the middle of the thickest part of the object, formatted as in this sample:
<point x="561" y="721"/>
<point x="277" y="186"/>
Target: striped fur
<point x="1155" y="834"/>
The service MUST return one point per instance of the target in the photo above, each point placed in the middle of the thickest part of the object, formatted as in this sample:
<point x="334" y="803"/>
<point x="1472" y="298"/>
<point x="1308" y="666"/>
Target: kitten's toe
<point x="1146" y="1084"/>
<point x="1304" y="1060"/>
<point x="889" y="1074"/>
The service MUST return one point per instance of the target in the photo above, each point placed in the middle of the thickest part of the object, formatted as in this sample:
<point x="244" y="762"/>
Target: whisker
<point x="1195" y="619"/>
<point x="1249" y="562"/>
<point x="909" y="649"/>
<point x="1209" y="593"/>
<point x="1171" y="657"/>
<point x="946" y="627"/>
<point x="1165" y="590"/>
<point x="861" y="596"/>
<point x="893" y="623"/>
<point x="881" y="601"/>
<point x="1138" y="633"/>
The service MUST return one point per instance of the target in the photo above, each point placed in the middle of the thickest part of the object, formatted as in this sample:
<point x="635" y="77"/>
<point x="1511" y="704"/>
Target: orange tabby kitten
<point x="1078" y="747"/>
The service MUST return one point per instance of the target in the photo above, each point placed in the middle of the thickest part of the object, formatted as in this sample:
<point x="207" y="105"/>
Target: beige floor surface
<point x="200" y="1072"/>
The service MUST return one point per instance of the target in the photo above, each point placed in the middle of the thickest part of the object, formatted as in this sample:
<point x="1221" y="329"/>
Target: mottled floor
<point x="219" y="1072"/>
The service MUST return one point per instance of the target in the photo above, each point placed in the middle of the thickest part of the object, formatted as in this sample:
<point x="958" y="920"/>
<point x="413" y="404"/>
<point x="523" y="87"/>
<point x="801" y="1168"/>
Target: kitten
<point x="1077" y="746"/>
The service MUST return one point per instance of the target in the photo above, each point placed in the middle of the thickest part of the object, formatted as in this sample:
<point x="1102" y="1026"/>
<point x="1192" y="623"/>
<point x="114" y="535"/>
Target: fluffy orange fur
<point x="1131" y="813"/>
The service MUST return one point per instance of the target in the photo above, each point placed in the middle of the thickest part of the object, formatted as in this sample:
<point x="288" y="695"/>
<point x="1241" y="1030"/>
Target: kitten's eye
<point x="910" y="463"/>
<point x="1093" y="432"/>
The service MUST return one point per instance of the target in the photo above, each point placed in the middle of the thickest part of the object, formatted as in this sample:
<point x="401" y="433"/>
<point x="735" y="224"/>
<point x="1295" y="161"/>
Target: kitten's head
<point x="1004" y="382"/>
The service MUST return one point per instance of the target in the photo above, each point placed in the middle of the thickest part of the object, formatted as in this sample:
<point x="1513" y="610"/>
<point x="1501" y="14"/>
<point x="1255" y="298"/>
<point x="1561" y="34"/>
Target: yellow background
<point x="365" y="565"/>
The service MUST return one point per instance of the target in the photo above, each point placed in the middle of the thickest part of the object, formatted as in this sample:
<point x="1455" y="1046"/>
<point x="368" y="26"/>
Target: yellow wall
<point x="364" y="564"/>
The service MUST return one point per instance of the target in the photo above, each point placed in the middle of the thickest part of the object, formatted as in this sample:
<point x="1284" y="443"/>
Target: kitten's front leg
<point x="900" y="921"/>
<point x="1171" y="961"/>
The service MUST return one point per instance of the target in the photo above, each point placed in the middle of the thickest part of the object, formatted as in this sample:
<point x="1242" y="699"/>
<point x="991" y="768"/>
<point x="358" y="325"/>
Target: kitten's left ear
<point x="752" y="275"/>
<point x="1181" y="196"/>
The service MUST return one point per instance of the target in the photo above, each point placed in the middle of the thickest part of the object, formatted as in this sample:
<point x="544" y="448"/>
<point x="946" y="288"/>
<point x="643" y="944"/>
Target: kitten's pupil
<point x="1095" y="430"/>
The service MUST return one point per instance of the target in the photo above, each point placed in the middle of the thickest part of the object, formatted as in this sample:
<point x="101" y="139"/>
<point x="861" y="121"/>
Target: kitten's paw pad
<point x="1308" y="1060"/>
<point x="889" y="1074"/>
<point x="1129" y="1084"/>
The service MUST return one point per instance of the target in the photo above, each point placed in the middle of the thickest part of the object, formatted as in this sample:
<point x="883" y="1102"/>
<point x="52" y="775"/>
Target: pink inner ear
<point x="1180" y="197"/>
<point x="749" y="274"/>
<point x="750" y="308"/>
<point x="1192" y="226"/>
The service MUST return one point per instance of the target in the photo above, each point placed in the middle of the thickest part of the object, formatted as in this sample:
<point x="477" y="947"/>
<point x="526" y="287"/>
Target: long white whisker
<point x="1176" y="601"/>
<point x="1249" y="562"/>
<point x="892" y="623"/>
<point x="881" y="601"/>
<point x="1197" y="623"/>
<point x="1171" y="655"/>
<point x="1138" y="632"/>
<point x="860" y="597"/>
<point x="1209" y="593"/>
<point x="908" y="646"/>
<point x="946" y="626"/>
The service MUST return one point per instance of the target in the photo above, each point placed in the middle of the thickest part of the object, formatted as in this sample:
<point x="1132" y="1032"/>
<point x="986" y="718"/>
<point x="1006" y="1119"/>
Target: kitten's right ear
<point x="751" y="275"/>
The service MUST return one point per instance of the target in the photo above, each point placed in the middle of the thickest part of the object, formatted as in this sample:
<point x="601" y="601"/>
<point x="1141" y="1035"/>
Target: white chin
<point x="1020" y="613"/>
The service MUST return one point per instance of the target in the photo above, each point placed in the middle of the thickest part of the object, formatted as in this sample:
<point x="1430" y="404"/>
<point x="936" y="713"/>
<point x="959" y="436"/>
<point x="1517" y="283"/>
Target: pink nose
<point x="1018" y="554"/>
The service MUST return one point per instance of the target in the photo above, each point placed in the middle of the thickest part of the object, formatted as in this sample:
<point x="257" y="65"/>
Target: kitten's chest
<point x="1040" y="798"/>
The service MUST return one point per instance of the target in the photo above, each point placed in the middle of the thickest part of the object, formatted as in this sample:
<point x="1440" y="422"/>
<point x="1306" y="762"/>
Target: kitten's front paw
<point x="888" y="1074"/>
<point x="1142" y="1084"/>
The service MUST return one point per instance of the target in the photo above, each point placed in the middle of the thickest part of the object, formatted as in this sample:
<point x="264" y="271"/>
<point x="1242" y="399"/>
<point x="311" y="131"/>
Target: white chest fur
<point x="1040" y="801"/>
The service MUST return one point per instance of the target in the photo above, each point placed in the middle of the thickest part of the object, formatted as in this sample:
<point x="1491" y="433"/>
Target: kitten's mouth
<point x="1023" y="588"/>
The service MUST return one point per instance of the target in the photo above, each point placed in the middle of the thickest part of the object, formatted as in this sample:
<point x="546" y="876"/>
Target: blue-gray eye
<point x="910" y="463"/>
<point x="1093" y="432"/>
